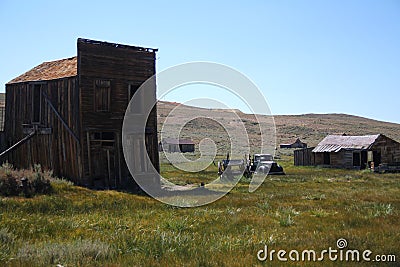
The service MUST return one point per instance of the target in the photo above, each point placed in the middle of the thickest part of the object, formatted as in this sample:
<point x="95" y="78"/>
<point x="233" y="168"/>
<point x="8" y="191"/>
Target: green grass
<point x="309" y="208"/>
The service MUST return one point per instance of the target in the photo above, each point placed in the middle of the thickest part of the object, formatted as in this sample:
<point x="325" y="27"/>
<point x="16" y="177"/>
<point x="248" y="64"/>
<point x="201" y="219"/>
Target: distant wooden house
<point x="176" y="145"/>
<point x="69" y="113"/>
<point x="304" y="157"/>
<point x="295" y="144"/>
<point x="353" y="152"/>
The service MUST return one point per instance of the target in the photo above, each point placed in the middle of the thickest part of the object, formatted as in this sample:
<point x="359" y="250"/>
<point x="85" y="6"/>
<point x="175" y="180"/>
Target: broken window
<point x="102" y="95"/>
<point x="36" y="103"/>
<point x="106" y="139"/>
<point x="137" y="106"/>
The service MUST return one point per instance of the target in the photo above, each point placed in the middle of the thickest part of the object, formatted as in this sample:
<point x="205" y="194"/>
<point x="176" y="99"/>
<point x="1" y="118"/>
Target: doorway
<point x="327" y="158"/>
<point x="103" y="159"/>
<point x="364" y="159"/>
<point x="356" y="159"/>
<point x="376" y="158"/>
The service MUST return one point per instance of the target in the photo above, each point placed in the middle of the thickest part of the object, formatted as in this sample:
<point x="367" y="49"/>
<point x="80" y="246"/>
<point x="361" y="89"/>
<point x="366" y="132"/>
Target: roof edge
<point x="116" y="45"/>
<point x="48" y="71"/>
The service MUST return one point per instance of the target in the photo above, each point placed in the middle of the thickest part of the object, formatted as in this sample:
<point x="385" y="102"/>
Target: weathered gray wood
<point x="67" y="115"/>
<point x="60" y="118"/>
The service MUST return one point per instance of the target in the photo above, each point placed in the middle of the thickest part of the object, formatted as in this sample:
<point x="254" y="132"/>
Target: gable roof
<point x="297" y="141"/>
<point x="51" y="70"/>
<point x="174" y="141"/>
<point x="334" y="143"/>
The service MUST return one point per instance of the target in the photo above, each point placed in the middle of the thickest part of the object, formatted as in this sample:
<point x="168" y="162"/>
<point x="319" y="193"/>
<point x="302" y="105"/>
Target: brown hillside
<point x="310" y="128"/>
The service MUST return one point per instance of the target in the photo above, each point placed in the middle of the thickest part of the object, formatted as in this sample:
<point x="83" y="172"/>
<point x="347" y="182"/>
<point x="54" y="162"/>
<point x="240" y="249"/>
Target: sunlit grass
<point x="309" y="208"/>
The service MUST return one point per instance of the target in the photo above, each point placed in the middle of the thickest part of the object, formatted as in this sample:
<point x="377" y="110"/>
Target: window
<point x="36" y="103"/>
<point x="137" y="107"/>
<point x="106" y="139"/>
<point x="102" y="95"/>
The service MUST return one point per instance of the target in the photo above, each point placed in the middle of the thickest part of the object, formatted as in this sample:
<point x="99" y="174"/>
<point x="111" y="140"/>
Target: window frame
<point x="36" y="108"/>
<point x="132" y="90"/>
<point x="105" y="142"/>
<point x="101" y="84"/>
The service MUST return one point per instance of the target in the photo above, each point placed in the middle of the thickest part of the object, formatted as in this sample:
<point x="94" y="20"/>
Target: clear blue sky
<point x="306" y="56"/>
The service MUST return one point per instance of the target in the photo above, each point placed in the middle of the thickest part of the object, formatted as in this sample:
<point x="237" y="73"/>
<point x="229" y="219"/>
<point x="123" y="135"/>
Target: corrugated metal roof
<point x="174" y="141"/>
<point x="334" y="143"/>
<point x="49" y="71"/>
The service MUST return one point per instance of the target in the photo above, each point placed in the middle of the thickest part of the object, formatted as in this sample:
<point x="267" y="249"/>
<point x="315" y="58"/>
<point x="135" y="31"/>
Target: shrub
<point x="382" y="209"/>
<point x="9" y="186"/>
<point x="74" y="253"/>
<point x="286" y="221"/>
<point x="24" y="182"/>
<point x="285" y="215"/>
<point x="39" y="184"/>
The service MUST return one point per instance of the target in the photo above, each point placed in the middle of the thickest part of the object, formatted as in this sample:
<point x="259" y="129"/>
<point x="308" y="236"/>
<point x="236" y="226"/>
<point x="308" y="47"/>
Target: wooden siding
<point x="74" y="137"/>
<point x="388" y="149"/>
<point x="384" y="149"/>
<point x="58" y="151"/>
<point x="304" y="157"/>
<point x="341" y="159"/>
<point x="122" y="67"/>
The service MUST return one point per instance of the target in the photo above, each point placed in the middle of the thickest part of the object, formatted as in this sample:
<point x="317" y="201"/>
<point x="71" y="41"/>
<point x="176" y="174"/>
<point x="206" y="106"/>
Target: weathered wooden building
<point x="176" y="145"/>
<point x="2" y="115"/>
<point x="72" y="111"/>
<point x="304" y="157"/>
<point x="353" y="152"/>
<point x="296" y="144"/>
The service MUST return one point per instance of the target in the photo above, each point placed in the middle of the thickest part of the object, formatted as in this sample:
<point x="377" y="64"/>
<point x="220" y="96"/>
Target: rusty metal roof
<point x="49" y="71"/>
<point x="335" y="143"/>
<point x="174" y="141"/>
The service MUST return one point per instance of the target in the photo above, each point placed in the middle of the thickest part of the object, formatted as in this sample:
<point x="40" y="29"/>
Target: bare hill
<point x="310" y="128"/>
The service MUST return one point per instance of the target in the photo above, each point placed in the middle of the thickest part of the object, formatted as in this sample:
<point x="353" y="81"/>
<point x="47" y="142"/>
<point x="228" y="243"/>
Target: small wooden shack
<point x="296" y="144"/>
<point x="69" y="113"/>
<point x="304" y="157"/>
<point x="352" y="152"/>
<point x="176" y="145"/>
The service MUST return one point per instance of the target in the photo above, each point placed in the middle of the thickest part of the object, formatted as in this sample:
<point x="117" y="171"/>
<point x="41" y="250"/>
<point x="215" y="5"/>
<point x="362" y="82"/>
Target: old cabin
<point x="176" y="145"/>
<point x="353" y="152"/>
<point x="69" y="113"/>
<point x="296" y="144"/>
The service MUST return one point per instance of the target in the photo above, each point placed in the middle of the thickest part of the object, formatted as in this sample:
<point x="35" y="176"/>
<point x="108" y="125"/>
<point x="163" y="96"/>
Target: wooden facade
<point x="176" y="145"/>
<point x="351" y="152"/>
<point x="304" y="157"/>
<point x="76" y="108"/>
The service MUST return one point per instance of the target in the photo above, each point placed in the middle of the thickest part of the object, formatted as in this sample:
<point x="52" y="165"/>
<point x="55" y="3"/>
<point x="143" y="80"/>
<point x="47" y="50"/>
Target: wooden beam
<point x="20" y="142"/>
<point x="109" y="168"/>
<point x="89" y="157"/>
<point x="60" y="118"/>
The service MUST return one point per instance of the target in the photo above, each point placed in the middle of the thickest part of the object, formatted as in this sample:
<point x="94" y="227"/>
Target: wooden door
<point x="103" y="160"/>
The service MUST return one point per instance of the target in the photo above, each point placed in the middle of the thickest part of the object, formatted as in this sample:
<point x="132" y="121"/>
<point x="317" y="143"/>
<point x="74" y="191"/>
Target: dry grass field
<point x="309" y="208"/>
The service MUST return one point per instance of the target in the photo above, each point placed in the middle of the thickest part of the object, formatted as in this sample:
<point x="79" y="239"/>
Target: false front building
<point x="69" y="113"/>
